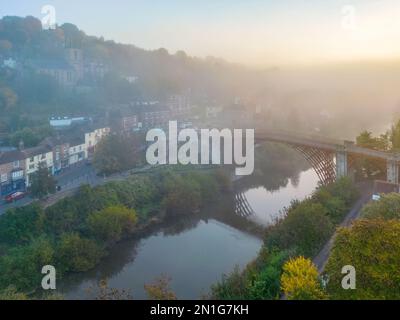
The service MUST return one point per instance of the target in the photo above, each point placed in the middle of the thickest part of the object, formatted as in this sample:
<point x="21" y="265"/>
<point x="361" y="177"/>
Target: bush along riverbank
<point x="302" y="230"/>
<point x="74" y="234"/>
<point x="372" y="246"/>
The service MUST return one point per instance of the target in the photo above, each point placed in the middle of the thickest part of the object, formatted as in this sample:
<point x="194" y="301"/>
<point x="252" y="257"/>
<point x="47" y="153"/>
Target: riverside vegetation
<point x="302" y="231"/>
<point x="77" y="232"/>
<point x="284" y="267"/>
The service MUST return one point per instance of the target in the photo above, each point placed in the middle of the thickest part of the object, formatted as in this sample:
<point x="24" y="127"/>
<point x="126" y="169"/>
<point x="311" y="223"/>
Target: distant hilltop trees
<point x="158" y="73"/>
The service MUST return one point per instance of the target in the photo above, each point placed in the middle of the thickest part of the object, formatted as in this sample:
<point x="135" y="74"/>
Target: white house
<point x="77" y="151"/>
<point x="93" y="138"/>
<point x="35" y="157"/>
<point x="10" y="63"/>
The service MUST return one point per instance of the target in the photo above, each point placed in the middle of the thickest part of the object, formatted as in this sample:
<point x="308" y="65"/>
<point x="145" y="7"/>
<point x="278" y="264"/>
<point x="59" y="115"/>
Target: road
<point x="322" y="258"/>
<point x="71" y="180"/>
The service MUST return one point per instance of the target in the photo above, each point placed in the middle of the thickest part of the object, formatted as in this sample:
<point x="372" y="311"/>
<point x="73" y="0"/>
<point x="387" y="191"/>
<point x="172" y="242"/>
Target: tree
<point x="367" y="167"/>
<point x="77" y="254"/>
<point x="183" y="195"/>
<point x="22" y="265"/>
<point x="104" y="292"/>
<point x="372" y="247"/>
<point x="395" y="136"/>
<point x="112" y="223"/>
<point x="306" y="227"/>
<point x="8" y="99"/>
<point x="265" y="284"/>
<point x="115" y="153"/>
<point x="335" y="206"/>
<point x="42" y="183"/>
<point x="30" y="136"/>
<point x="300" y="281"/>
<point x="5" y="47"/>
<point x="11" y="293"/>
<point x="21" y="225"/>
<point x="160" y="289"/>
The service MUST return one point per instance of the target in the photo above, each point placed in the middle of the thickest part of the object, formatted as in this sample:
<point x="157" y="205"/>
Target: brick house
<point x="60" y="148"/>
<point x="12" y="172"/>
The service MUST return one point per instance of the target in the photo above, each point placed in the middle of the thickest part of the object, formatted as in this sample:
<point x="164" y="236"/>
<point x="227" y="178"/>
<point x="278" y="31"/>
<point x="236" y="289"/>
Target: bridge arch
<point x="322" y="162"/>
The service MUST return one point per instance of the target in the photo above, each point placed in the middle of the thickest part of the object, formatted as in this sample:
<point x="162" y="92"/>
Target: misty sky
<point x="254" y="32"/>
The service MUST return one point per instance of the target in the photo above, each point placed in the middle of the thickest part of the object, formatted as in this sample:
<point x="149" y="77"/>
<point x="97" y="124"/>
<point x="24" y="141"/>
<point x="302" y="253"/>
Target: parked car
<point x="15" y="196"/>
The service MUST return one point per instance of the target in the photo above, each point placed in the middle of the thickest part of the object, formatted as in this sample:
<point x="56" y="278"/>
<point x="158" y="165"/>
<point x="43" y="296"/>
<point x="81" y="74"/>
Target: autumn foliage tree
<point x="372" y="247"/>
<point x="160" y="289"/>
<point x="299" y="280"/>
<point x="116" y="153"/>
<point x="112" y="223"/>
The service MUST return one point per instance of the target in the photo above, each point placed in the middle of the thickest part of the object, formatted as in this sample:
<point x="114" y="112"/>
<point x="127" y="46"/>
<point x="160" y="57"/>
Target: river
<point x="194" y="253"/>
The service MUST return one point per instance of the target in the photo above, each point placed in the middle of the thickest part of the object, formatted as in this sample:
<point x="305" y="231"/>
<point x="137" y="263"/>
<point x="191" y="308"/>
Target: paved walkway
<point x="322" y="258"/>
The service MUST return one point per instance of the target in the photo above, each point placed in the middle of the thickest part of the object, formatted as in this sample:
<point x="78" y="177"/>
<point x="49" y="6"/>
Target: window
<point x="32" y="159"/>
<point x="31" y="167"/>
<point x="3" y="177"/>
<point x="43" y="156"/>
<point x="17" y="175"/>
<point x="16" y="164"/>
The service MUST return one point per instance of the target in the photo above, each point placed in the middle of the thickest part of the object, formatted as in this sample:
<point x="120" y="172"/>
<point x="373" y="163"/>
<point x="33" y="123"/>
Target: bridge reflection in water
<point x="242" y="205"/>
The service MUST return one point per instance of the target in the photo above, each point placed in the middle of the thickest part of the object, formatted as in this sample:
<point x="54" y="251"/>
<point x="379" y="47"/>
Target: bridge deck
<point x="323" y="143"/>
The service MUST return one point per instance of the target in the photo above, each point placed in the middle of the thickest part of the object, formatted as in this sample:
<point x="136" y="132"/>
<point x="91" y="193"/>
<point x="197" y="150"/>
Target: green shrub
<point x="112" y="223"/>
<point x="306" y="227"/>
<point x="22" y="265"/>
<point x="77" y="254"/>
<point x="388" y="207"/>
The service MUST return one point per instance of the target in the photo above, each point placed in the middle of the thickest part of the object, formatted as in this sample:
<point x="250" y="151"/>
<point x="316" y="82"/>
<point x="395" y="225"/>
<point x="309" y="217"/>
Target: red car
<point x="15" y="197"/>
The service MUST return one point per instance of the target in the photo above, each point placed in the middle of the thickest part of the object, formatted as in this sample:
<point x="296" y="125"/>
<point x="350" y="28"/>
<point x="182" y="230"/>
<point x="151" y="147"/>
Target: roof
<point x="73" y="139"/>
<point x="11" y="156"/>
<point x="76" y="141"/>
<point x="31" y="152"/>
<point x="51" y="142"/>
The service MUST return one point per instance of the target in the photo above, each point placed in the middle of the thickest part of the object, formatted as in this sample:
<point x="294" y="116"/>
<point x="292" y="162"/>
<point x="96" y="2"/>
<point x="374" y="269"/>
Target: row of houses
<point x="55" y="153"/>
<point x="155" y="115"/>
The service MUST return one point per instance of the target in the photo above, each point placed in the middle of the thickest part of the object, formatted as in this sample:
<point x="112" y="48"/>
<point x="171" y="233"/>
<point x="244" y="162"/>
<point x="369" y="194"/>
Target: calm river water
<point x="194" y="253"/>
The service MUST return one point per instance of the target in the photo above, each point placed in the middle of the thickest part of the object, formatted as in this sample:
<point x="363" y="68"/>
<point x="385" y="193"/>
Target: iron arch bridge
<point x="331" y="159"/>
